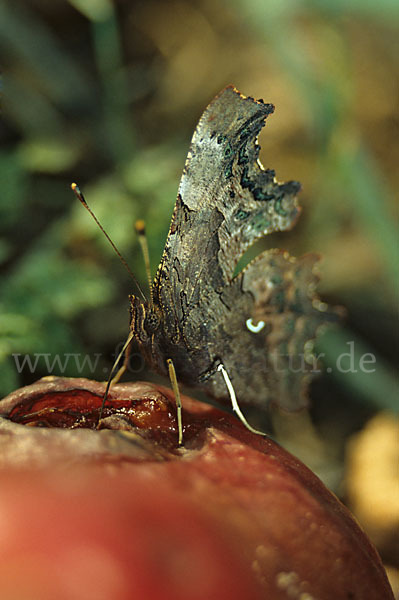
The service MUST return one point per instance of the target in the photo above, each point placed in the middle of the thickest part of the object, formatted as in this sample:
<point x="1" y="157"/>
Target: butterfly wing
<point x="276" y="316"/>
<point x="227" y="200"/>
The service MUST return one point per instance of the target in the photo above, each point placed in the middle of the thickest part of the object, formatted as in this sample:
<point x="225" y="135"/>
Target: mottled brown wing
<point x="226" y="200"/>
<point x="275" y="316"/>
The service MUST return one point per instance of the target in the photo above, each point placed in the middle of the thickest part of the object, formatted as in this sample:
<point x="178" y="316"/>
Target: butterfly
<point x="251" y="332"/>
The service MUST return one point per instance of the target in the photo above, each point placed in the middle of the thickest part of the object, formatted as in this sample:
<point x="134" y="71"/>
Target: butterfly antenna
<point x="80" y="197"/>
<point x="140" y="229"/>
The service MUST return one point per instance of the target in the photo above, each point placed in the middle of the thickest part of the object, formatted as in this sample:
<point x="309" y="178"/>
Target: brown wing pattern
<point x="271" y="356"/>
<point x="226" y="201"/>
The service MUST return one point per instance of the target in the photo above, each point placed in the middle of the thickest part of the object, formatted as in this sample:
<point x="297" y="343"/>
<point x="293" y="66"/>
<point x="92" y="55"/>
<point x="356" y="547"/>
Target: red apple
<point x="123" y="513"/>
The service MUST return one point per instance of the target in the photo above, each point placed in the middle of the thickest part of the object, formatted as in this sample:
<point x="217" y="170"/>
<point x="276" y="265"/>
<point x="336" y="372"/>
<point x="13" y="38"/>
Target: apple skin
<point x="122" y="512"/>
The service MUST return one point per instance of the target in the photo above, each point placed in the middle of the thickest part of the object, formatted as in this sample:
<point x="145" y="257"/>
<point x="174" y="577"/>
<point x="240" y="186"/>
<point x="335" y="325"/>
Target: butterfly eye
<point x="151" y="323"/>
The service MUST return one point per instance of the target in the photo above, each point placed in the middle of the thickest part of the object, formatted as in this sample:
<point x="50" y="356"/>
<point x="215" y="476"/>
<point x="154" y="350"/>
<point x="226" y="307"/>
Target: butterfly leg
<point x="234" y="402"/>
<point x="175" y="387"/>
<point x="111" y="379"/>
<point x="127" y="349"/>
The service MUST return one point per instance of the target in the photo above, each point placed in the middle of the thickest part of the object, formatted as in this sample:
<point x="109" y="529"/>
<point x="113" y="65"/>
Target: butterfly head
<point x="144" y="319"/>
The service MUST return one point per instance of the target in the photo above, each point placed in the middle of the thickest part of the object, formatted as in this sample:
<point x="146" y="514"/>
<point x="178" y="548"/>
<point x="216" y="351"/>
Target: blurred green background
<point x="108" y="94"/>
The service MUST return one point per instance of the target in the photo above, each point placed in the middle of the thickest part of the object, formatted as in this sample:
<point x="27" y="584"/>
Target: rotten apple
<point x="122" y="512"/>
